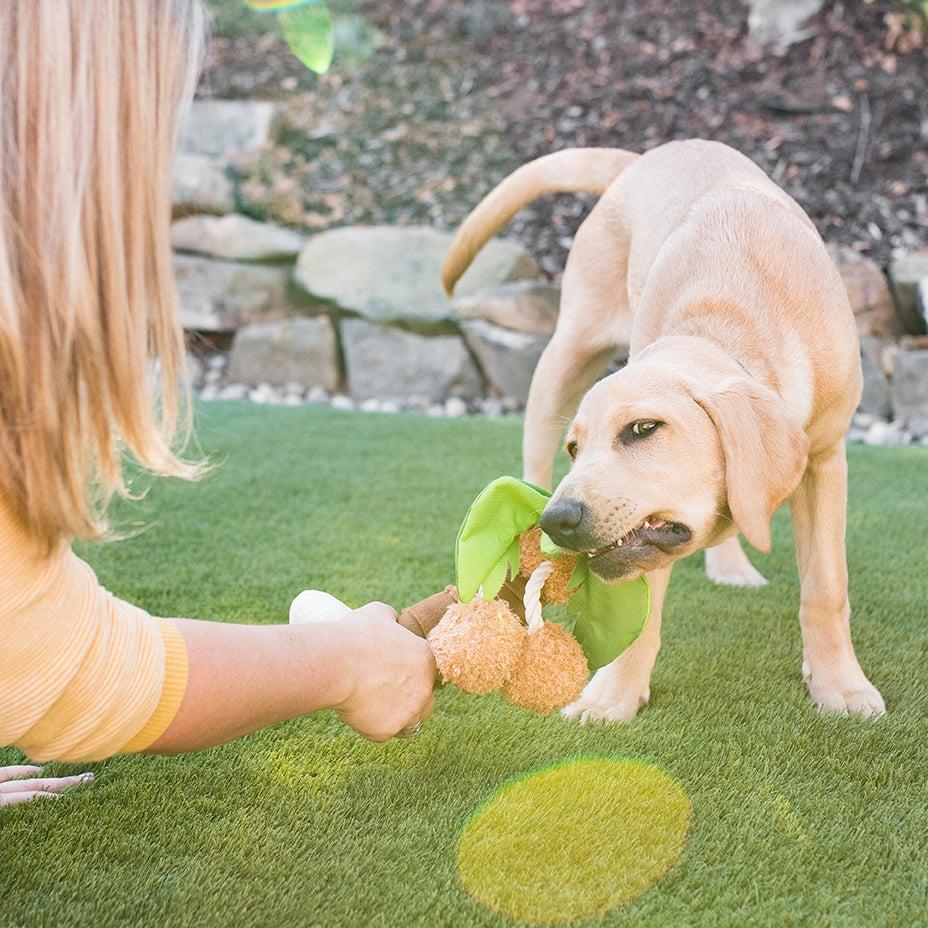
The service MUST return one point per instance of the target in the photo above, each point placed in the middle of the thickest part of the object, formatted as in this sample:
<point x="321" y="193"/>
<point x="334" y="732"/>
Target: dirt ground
<point x="460" y="92"/>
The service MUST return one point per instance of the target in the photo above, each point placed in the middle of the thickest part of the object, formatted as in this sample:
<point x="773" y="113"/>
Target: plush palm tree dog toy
<point x="488" y="633"/>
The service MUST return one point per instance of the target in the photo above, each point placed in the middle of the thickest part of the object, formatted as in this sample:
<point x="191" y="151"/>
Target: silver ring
<point x="412" y="730"/>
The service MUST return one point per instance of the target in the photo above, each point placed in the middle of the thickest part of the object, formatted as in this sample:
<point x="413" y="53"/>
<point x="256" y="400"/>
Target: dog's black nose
<point x="561" y="521"/>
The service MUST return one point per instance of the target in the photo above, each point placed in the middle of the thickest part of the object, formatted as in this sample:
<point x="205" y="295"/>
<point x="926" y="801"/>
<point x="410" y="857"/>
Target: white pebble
<point x="887" y="434"/>
<point x="264" y="393"/>
<point x="455" y="407"/>
<point x="209" y="392"/>
<point x="233" y="391"/>
<point x="317" y="394"/>
<point x="492" y="407"/>
<point x="340" y="401"/>
<point x="855" y="434"/>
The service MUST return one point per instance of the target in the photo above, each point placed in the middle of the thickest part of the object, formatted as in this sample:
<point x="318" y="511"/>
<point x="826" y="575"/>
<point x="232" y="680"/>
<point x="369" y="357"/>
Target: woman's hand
<point x="25" y="783"/>
<point x="391" y="673"/>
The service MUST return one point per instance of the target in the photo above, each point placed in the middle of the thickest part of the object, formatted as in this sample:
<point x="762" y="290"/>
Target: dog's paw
<point x="847" y="693"/>
<point x="607" y="703"/>
<point x="728" y="565"/>
<point x="748" y="575"/>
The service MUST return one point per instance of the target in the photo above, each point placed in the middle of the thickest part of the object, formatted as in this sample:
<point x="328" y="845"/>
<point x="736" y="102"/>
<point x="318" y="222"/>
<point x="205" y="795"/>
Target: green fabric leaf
<point x="309" y="33"/>
<point x="608" y="617"/>
<point x="487" y="546"/>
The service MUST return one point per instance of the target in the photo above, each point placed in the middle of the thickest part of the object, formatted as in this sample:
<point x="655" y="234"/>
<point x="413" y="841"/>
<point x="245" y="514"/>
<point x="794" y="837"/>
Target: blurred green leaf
<point x="309" y="32"/>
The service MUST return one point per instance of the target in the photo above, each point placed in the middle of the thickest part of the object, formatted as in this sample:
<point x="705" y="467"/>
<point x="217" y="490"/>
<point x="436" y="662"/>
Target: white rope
<point x="532" y="597"/>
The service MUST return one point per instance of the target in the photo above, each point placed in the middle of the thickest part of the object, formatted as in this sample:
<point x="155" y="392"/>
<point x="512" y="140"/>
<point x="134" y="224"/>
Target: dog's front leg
<point x="618" y="690"/>
<point x="830" y="667"/>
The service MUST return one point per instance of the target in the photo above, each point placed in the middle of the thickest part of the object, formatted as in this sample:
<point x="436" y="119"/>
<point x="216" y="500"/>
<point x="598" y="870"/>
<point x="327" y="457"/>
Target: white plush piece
<point x="316" y="606"/>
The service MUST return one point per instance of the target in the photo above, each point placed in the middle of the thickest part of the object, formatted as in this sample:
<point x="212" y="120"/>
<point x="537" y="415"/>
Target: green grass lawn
<point x="797" y="819"/>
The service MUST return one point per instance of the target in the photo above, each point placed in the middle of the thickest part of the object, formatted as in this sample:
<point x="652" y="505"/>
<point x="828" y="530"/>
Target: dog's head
<point x="663" y="465"/>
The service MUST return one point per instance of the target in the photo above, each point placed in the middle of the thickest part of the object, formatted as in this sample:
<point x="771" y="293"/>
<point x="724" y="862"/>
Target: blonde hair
<point x="90" y="95"/>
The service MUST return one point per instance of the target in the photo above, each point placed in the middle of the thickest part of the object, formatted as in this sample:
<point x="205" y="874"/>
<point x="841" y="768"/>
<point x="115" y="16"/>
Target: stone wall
<point x="356" y="316"/>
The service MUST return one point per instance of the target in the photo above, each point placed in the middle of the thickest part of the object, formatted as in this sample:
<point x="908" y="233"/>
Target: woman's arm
<point x="84" y="675"/>
<point x="375" y="673"/>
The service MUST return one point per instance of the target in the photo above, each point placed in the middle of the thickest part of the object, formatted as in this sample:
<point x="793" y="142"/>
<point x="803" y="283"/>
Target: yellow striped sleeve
<point x="83" y="675"/>
<point x="172" y="692"/>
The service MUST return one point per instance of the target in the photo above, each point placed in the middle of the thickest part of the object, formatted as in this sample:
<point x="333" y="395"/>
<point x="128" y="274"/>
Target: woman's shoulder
<point x="22" y="556"/>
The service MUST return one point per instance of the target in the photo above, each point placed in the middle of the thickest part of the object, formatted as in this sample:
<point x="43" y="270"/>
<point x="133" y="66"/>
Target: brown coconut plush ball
<point x="551" y="672"/>
<point x="556" y="588"/>
<point x="476" y="645"/>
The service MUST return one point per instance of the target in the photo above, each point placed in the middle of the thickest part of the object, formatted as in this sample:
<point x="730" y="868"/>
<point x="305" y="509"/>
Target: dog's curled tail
<point x="573" y="170"/>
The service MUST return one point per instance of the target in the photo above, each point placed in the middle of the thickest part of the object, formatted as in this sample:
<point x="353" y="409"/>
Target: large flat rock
<point x="201" y="184"/>
<point x="235" y="238"/>
<point x="289" y="351"/>
<point x="529" y="306"/>
<point x="220" y="296"/>
<point x="507" y="358"/>
<point x="875" y="398"/>
<point x="906" y="275"/>
<point x="910" y="390"/>
<point x="221" y="128"/>
<point x="781" y="22"/>
<point x="391" y="274"/>
<point x="387" y="363"/>
<point x="867" y="291"/>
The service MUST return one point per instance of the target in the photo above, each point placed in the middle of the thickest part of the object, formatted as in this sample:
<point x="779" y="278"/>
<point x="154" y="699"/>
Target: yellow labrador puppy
<point x="744" y="374"/>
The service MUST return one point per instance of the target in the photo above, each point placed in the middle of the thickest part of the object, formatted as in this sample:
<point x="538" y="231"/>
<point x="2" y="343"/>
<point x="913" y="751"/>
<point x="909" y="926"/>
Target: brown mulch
<point x="460" y="92"/>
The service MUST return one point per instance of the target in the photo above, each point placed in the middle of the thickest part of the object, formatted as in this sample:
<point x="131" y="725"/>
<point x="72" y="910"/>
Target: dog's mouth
<point x="652" y="533"/>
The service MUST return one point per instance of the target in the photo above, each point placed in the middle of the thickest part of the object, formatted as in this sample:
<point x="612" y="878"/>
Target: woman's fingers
<point x="15" y="799"/>
<point x="17" y="773"/>
<point x="21" y="784"/>
<point x="414" y="725"/>
<point x="44" y="784"/>
<point x="427" y="710"/>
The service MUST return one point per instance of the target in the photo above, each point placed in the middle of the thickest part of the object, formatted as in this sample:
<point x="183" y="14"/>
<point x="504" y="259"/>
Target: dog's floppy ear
<point x="765" y="450"/>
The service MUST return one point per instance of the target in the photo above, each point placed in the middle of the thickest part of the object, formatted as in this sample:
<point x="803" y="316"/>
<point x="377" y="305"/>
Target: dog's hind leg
<point x="566" y="370"/>
<point x="726" y="563"/>
<point x="593" y="322"/>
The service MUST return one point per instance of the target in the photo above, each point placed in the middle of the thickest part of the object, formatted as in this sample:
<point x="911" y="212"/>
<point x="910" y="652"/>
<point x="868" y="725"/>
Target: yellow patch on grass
<point x="573" y="841"/>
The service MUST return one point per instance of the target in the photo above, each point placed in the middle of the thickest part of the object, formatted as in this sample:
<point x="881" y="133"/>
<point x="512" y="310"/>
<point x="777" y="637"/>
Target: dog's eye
<point x="638" y="429"/>
<point x="643" y="426"/>
<point x="571" y="448"/>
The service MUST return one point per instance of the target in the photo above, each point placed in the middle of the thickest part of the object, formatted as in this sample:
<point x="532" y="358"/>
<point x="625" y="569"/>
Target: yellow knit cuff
<point x="172" y="692"/>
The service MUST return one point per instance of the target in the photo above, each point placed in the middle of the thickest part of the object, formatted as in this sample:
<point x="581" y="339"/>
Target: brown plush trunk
<point x="420" y="618"/>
